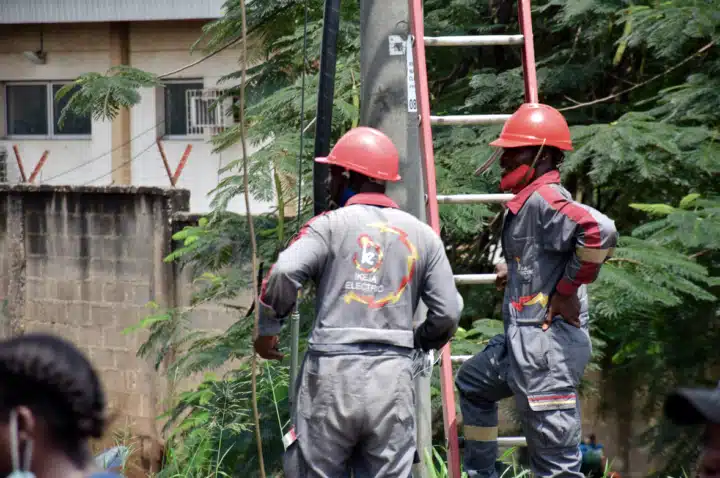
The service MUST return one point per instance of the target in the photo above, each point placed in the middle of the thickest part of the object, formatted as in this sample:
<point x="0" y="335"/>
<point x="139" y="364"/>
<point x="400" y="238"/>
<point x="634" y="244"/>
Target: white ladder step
<point x="505" y="442"/>
<point x="474" y="40"/>
<point x="475" y="279"/>
<point x="460" y="358"/>
<point x="474" y="198"/>
<point x="511" y="441"/>
<point x="468" y="120"/>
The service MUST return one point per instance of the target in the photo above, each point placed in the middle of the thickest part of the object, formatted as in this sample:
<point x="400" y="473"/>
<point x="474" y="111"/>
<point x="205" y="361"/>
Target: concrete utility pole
<point x="384" y="105"/>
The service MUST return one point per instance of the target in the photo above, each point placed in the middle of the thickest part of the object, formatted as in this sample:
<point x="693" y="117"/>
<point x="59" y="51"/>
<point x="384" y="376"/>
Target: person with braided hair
<point x="51" y="404"/>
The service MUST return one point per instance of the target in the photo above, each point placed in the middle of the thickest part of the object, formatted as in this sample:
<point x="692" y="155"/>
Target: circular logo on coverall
<point x="366" y="285"/>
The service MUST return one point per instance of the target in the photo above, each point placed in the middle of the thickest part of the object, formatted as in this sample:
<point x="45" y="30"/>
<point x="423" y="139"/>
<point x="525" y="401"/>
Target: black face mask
<point x="338" y="185"/>
<point x="347" y="193"/>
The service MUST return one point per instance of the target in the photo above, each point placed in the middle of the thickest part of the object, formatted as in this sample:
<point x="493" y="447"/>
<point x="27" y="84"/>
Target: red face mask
<point x="517" y="179"/>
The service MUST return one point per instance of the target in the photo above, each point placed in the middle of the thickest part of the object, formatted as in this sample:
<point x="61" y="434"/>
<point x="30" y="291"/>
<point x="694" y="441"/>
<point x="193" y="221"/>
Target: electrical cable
<point x="97" y="158"/>
<point x="123" y="164"/>
<point x="295" y="317"/>
<point x="213" y="53"/>
<point x="302" y="120"/>
<point x="162" y="76"/>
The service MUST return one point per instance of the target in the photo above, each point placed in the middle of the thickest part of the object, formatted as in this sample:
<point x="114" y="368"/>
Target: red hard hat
<point x="535" y="124"/>
<point x="366" y="151"/>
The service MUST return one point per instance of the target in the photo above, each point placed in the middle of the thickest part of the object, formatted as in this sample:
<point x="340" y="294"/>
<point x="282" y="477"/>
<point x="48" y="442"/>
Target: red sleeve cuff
<point x="565" y="287"/>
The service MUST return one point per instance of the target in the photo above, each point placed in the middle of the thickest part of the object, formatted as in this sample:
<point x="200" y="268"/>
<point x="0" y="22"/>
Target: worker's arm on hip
<point x="303" y="259"/>
<point x="442" y="299"/>
<point x="570" y="226"/>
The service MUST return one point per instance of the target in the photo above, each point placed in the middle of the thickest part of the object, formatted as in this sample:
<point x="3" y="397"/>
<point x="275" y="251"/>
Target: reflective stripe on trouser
<point x="343" y="398"/>
<point x="542" y="370"/>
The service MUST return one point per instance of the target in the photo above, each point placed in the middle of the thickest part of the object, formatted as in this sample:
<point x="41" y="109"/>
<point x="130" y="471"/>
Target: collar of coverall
<point x="372" y="199"/>
<point x="553" y="177"/>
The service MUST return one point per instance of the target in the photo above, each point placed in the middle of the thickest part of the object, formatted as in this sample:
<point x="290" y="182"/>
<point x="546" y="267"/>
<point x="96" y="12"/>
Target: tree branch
<point x="253" y="239"/>
<point x="649" y="80"/>
<point x="623" y="259"/>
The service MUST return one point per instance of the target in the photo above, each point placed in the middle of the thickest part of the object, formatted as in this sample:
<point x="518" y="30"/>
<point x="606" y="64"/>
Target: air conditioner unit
<point x="206" y="111"/>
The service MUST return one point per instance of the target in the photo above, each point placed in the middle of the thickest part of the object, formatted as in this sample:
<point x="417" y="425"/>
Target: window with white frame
<point x="176" y="106"/>
<point x="189" y="110"/>
<point x="32" y="110"/>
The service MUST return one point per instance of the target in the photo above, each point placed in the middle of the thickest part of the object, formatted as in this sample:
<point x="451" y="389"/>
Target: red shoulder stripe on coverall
<point x="588" y="270"/>
<point x="303" y="230"/>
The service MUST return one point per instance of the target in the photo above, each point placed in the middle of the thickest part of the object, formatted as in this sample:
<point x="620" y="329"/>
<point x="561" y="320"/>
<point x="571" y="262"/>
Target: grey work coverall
<point x="371" y="263"/>
<point x="551" y="243"/>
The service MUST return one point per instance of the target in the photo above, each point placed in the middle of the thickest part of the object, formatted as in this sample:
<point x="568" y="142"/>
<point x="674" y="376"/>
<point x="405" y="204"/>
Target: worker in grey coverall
<point x="553" y="247"/>
<point x="372" y="263"/>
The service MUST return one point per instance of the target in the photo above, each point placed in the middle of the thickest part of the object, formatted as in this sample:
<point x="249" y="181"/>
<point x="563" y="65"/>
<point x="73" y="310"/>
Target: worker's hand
<point x="266" y="347"/>
<point x="502" y="271"/>
<point x="566" y="306"/>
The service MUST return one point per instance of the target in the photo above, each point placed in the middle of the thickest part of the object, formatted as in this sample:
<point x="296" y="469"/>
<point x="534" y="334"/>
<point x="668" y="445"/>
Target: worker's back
<point x="377" y="269"/>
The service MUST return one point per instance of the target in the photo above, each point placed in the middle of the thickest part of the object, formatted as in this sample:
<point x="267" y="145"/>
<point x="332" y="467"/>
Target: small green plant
<point x="437" y="468"/>
<point x="211" y="429"/>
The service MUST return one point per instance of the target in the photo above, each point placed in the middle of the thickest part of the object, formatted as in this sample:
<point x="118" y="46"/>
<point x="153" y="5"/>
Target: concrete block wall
<point x="87" y="261"/>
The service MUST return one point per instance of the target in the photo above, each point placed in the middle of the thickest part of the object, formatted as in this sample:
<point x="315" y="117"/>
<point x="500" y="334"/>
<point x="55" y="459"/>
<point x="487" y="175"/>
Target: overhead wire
<point x="295" y="316"/>
<point x="121" y="165"/>
<point x="181" y="69"/>
<point x="162" y="76"/>
<point x="302" y="120"/>
<point x="99" y="157"/>
<point x="215" y="52"/>
<point x="200" y="60"/>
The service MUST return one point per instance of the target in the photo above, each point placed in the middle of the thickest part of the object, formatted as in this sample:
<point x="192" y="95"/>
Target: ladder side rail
<point x="447" y="384"/>
<point x="423" y="100"/>
<point x="528" y="52"/>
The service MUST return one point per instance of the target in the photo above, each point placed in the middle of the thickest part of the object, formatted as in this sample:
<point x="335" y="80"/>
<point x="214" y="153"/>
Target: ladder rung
<point x="503" y="442"/>
<point x="474" y="198"/>
<point x="468" y="120"/>
<point x="511" y="441"/>
<point x="475" y="279"/>
<point x="460" y="358"/>
<point x="474" y="40"/>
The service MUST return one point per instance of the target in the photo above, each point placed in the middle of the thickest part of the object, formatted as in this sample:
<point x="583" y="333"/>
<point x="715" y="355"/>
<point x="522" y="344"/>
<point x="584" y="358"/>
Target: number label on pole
<point x="411" y="95"/>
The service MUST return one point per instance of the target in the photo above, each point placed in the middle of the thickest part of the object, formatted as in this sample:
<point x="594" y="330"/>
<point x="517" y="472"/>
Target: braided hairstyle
<point x="57" y="383"/>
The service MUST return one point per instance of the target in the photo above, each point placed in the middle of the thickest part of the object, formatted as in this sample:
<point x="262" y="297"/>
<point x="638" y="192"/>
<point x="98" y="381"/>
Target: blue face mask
<point x="18" y="471"/>
<point x="346" y="195"/>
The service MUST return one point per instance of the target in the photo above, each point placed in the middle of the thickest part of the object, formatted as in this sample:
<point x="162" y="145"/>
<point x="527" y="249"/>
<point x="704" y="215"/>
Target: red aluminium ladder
<point x="419" y="41"/>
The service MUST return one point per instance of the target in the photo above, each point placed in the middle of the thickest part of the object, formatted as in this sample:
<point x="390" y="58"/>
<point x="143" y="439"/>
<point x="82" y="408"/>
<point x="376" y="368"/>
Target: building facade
<point x="43" y="47"/>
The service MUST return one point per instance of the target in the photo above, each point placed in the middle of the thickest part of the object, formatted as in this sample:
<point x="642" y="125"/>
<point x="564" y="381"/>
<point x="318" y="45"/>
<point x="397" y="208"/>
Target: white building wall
<point x="157" y="47"/>
<point x="71" y="52"/>
<point x="160" y="48"/>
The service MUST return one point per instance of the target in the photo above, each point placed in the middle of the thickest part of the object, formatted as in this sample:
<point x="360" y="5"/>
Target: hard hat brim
<point x="510" y="143"/>
<point x="397" y="177"/>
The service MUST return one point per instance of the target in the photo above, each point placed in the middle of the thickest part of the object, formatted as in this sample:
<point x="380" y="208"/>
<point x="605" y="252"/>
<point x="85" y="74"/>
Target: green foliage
<point x="217" y="250"/>
<point x="511" y="468"/>
<point x="648" y="137"/>
<point x="646" y="154"/>
<point x="658" y="297"/>
<point x="212" y="429"/>
<point x="103" y="96"/>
